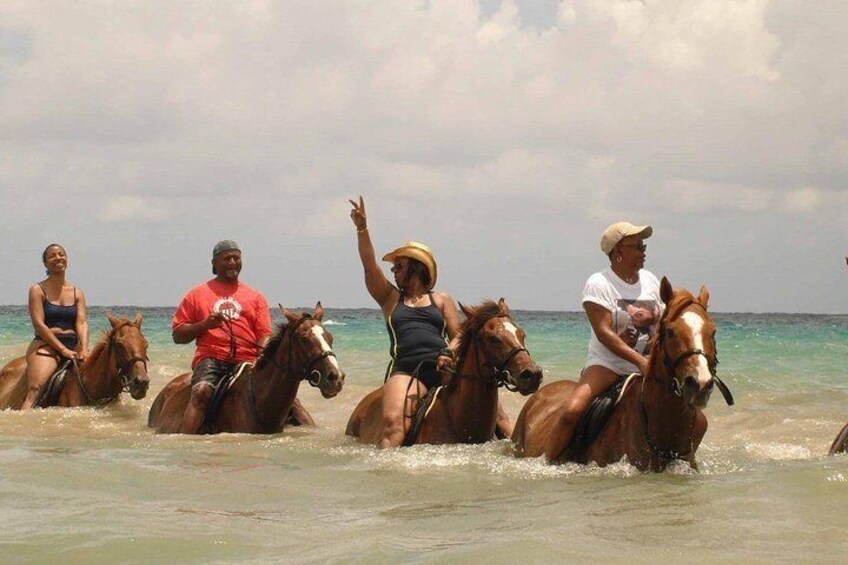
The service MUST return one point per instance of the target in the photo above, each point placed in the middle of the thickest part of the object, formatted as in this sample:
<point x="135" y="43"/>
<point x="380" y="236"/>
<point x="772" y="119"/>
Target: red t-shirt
<point x="246" y="309"/>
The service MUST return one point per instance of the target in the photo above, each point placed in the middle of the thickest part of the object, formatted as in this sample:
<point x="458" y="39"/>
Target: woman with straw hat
<point x="423" y="325"/>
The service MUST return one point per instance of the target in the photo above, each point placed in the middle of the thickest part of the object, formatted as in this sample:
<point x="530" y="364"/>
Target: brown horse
<point x="260" y="399"/>
<point x="117" y="363"/>
<point x="491" y="355"/>
<point x="658" y="419"/>
<point x="840" y="444"/>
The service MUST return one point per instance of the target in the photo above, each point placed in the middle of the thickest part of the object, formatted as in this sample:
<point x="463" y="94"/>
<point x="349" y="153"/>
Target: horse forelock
<point x="680" y="301"/>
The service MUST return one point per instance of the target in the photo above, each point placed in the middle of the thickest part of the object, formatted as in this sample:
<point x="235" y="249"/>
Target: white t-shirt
<point x="635" y="308"/>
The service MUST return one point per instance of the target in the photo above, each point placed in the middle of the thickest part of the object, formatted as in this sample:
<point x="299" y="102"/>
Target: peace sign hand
<point x="358" y="215"/>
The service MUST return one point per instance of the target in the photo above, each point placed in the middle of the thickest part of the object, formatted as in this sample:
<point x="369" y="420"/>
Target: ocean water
<point x="97" y="486"/>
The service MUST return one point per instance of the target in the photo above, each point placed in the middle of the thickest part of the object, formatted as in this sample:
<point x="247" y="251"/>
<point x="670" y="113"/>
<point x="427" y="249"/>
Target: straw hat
<point x="417" y="251"/>
<point x="618" y="231"/>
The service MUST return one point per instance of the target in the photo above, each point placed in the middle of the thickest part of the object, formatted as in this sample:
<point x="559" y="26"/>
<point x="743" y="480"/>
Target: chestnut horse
<point x="260" y="399"/>
<point x="117" y="363"/>
<point x="491" y="355"/>
<point x="840" y="444"/>
<point x="658" y="419"/>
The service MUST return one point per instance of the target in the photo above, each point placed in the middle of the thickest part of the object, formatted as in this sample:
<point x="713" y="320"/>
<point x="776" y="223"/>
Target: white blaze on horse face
<point x="318" y="332"/>
<point x="510" y="327"/>
<point x="696" y="325"/>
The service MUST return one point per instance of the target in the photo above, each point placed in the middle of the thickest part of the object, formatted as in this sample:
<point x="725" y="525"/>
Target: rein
<point x="674" y="385"/>
<point x="656" y="450"/>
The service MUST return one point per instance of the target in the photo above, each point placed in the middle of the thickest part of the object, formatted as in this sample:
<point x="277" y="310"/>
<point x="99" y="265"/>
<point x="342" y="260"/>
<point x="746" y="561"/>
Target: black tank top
<point x="416" y="333"/>
<point x="56" y="316"/>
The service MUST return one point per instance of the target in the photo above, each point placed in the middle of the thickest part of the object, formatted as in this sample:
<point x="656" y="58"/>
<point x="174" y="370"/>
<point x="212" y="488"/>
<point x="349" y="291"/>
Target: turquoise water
<point x="90" y="485"/>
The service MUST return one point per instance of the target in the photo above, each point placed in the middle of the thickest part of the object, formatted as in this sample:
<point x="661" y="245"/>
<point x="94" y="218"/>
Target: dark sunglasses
<point x="640" y="247"/>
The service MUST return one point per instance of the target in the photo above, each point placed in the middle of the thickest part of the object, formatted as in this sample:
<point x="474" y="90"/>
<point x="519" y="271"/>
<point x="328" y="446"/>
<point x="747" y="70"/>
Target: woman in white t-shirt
<point x="623" y="305"/>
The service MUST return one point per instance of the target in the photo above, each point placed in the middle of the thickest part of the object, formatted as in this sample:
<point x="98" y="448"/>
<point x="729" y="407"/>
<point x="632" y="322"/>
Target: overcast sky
<point x="506" y="135"/>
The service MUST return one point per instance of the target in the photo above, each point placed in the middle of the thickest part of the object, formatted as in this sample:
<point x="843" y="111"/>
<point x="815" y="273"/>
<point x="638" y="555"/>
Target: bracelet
<point x="363" y="230"/>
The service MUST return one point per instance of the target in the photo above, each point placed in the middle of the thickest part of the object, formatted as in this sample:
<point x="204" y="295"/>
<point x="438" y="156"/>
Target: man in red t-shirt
<point x="229" y="320"/>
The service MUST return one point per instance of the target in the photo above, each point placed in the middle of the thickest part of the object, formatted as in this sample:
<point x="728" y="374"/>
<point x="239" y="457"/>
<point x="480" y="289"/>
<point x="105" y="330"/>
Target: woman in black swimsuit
<point x="57" y="311"/>
<point x="423" y="325"/>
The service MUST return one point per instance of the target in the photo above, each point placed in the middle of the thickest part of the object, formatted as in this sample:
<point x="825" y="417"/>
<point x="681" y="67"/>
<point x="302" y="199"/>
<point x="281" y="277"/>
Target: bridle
<point x="124" y="371"/>
<point x="309" y="374"/>
<point x="674" y="384"/>
<point x="500" y="375"/>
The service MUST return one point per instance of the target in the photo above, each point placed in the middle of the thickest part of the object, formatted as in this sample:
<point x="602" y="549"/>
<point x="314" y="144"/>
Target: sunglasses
<point x="638" y="247"/>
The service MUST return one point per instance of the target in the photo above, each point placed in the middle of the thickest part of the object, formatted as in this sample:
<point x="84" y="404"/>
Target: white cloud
<point x="130" y="208"/>
<point x="259" y="116"/>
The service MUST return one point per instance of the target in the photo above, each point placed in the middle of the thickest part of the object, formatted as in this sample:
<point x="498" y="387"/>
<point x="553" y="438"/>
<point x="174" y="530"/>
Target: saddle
<point x="51" y="390"/>
<point x="596" y="417"/>
<point x="224" y="386"/>
<point x="421" y="415"/>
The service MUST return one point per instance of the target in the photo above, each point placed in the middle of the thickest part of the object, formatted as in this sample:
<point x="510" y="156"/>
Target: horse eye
<point x="669" y="332"/>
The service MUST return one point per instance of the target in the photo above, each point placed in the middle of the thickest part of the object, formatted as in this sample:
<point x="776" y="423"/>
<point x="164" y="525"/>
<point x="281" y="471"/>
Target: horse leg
<point x="503" y="427"/>
<point x="298" y="415"/>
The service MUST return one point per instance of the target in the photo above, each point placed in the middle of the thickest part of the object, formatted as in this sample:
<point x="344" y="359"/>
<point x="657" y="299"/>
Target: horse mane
<point x="482" y="314"/>
<point x="96" y="356"/>
<point x="270" y="349"/>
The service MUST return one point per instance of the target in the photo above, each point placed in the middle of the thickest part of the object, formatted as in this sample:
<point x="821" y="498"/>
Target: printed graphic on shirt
<point x="228" y="307"/>
<point x="634" y="321"/>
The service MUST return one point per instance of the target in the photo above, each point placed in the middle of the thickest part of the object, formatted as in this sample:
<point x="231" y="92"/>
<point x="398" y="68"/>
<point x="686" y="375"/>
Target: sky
<point x="504" y="134"/>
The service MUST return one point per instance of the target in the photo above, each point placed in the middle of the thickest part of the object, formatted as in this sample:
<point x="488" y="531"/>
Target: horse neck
<point x="99" y="373"/>
<point x="670" y="421"/>
<point x="472" y="402"/>
<point x="275" y="388"/>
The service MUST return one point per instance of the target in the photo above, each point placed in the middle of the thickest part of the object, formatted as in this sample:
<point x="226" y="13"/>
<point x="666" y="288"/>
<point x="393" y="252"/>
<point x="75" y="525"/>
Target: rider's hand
<point x="68" y="354"/>
<point x="212" y="321"/>
<point x="82" y="355"/>
<point x="357" y="214"/>
<point x="643" y="366"/>
<point x="445" y="364"/>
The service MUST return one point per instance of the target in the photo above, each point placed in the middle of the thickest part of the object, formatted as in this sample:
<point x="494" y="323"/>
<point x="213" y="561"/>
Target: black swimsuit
<point x="62" y="317"/>
<point x="416" y="335"/>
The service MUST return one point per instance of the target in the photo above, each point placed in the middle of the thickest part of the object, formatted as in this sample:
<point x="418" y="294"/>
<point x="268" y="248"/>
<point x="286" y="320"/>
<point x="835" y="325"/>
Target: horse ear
<point x="469" y="312"/>
<point x="112" y="320"/>
<point x="704" y="297"/>
<point x="138" y="319"/>
<point x="319" y="311"/>
<point x="665" y="290"/>
<point x="502" y="307"/>
<point x="289" y="316"/>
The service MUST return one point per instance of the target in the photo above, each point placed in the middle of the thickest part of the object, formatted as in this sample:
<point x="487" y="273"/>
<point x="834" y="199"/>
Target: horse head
<point x="312" y="349"/>
<point x="129" y="350"/>
<point x="685" y="345"/>
<point x="500" y="343"/>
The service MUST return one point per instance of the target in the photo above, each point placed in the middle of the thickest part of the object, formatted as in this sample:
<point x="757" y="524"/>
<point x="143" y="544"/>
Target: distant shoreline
<point x="376" y="311"/>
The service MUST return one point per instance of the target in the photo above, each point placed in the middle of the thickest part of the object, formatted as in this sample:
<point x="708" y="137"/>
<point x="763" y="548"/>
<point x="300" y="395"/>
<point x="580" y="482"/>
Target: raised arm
<point x="601" y="320"/>
<point x="376" y="282"/>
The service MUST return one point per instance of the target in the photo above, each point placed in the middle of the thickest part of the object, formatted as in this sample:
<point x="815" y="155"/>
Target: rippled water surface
<point x="95" y="485"/>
